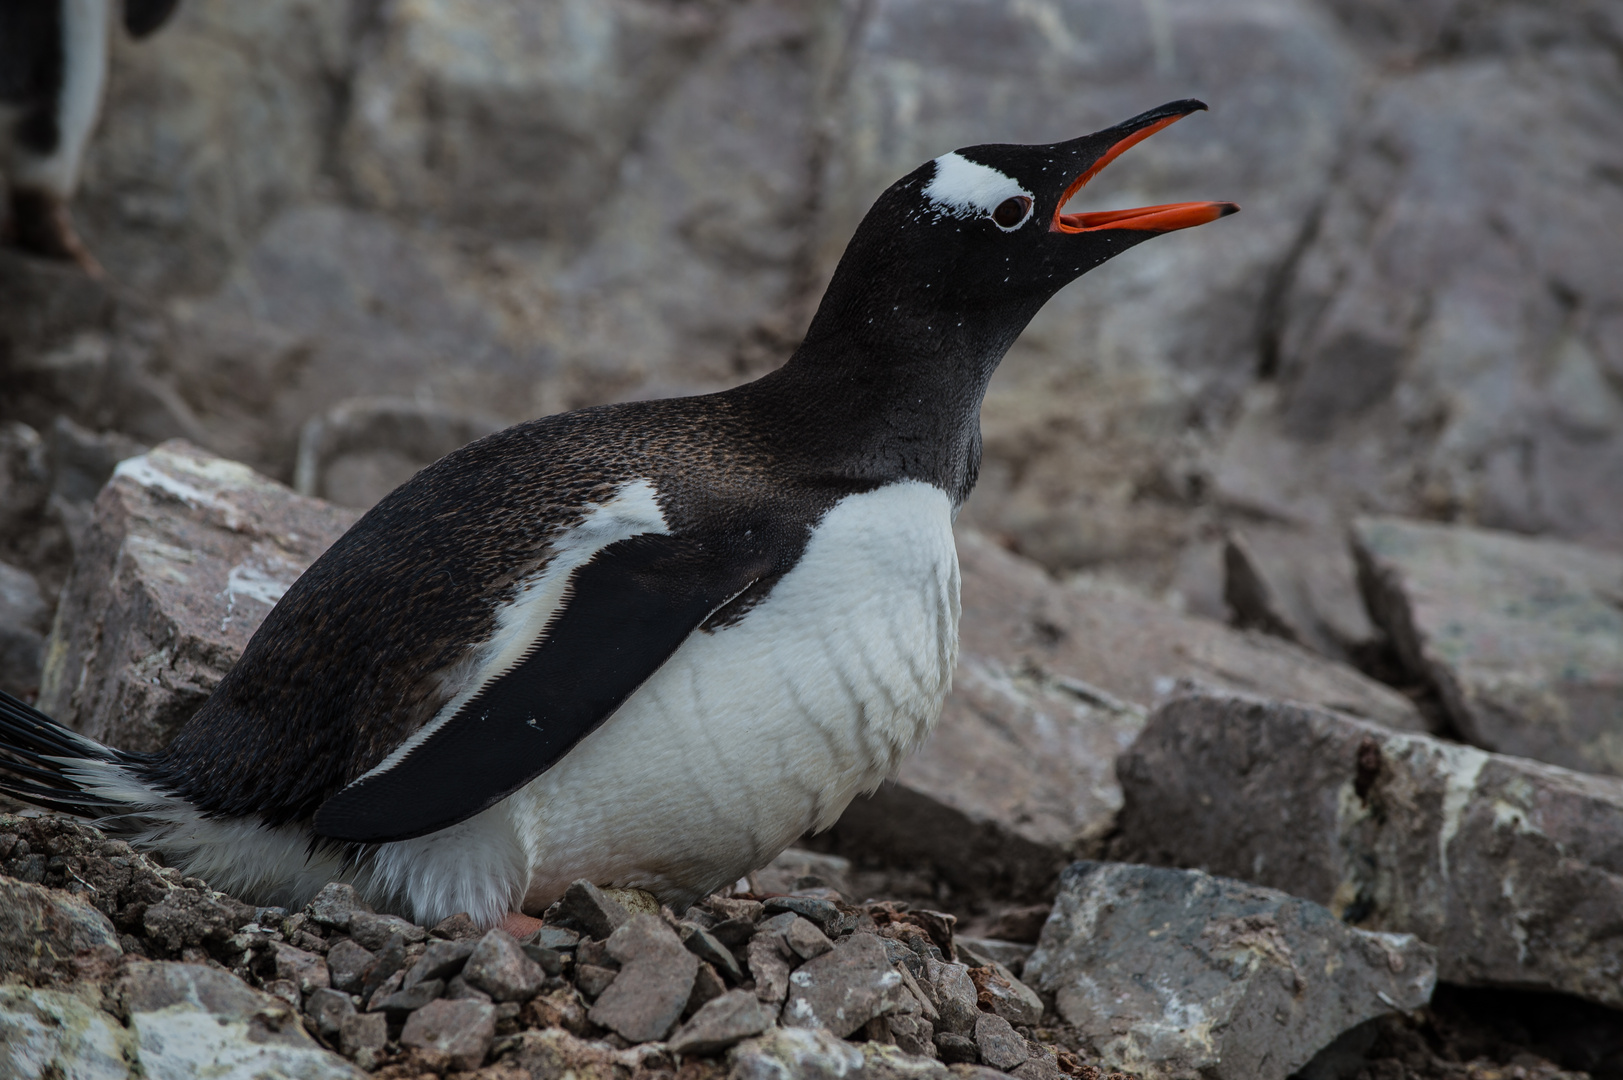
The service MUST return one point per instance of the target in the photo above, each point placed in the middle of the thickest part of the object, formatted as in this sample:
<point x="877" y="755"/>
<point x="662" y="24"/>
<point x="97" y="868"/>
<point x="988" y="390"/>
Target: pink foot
<point x="520" y="926"/>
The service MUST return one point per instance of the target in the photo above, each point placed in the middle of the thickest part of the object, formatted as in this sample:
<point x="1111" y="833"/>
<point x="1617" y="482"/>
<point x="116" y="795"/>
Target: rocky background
<point x="1296" y="557"/>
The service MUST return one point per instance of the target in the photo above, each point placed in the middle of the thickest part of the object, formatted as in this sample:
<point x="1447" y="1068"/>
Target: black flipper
<point x="34" y="752"/>
<point x="628" y="610"/>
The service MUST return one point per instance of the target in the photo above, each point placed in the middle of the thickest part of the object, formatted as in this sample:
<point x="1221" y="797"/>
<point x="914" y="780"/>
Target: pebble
<point x="334" y="905"/>
<point x="461" y="1029"/>
<point x="723" y="1021"/>
<point x="327" y="1008"/>
<point x="999" y="1044"/>
<point x="361" y="1032"/>
<point x="769" y="968"/>
<point x="374" y="931"/>
<point x="845" y="988"/>
<point x="499" y="967"/>
<point x="401" y="1002"/>
<point x="441" y="960"/>
<point x="702" y="944"/>
<point x="595" y="911"/>
<point x="806" y="940"/>
<point x="656" y="978"/>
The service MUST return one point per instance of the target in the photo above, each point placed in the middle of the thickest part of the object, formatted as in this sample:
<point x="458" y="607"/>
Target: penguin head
<point x="981" y="233"/>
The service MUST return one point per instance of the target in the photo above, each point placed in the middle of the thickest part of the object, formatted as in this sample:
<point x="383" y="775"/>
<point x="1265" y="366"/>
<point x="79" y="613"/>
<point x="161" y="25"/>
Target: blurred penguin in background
<point x="53" y="70"/>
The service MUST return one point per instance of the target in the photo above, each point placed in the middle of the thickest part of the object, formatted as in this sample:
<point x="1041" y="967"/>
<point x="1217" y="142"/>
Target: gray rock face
<point x="47" y="935"/>
<point x="462" y="1030"/>
<point x="844" y="989"/>
<point x="1051" y="685"/>
<point x="1247" y="982"/>
<point x="656" y="976"/>
<point x="499" y="967"/>
<point x="189" y="1020"/>
<point x="998" y="1044"/>
<point x="183" y="559"/>
<point x="1507" y="866"/>
<point x="1523" y="638"/>
<point x="46" y="1034"/>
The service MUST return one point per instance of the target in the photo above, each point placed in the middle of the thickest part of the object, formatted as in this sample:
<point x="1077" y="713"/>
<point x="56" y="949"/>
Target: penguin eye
<point x="1011" y="211"/>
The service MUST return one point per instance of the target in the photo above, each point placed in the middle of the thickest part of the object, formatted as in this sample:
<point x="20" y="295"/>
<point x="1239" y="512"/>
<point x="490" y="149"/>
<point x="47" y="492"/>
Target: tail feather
<point x="37" y="756"/>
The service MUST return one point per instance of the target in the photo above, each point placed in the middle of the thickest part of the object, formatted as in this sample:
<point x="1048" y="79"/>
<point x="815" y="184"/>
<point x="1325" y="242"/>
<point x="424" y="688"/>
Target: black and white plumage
<point x="647" y="644"/>
<point x="53" y="70"/>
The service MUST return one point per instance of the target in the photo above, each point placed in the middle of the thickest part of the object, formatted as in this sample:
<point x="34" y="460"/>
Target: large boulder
<point x="1174" y="973"/>
<point x="184" y="557"/>
<point x="1510" y="867"/>
<point x="1522" y="637"/>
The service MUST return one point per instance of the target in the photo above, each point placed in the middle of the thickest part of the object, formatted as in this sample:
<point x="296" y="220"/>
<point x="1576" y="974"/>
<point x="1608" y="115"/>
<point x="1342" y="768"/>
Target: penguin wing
<point x="630" y="608"/>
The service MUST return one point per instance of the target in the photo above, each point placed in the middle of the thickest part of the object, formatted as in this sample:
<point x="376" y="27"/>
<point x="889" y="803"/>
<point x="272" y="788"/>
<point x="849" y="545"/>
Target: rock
<point x="458" y="927"/>
<point x="999" y="992"/>
<point x="397" y="1004"/>
<point x="1497" y="861"/>
<point x="721" y="1022"/>
<point x="359" y="451"/>
<point x="1522" y="637"/>
<point x="348" y="964"/>
<point x="335" y="904"/>
<point x="191" y="916"/>
<point x="1051" y="680"/>
<point x="802" y="1053"/>
<point x="1020" y="924"/>
<point x="844" y="989"/>
<point x="463" y="1030"/>
<point x="557" y="938"/>
<point x="707" y="986"/>
<point x="190" y="1020"/>
<point x="805" y="940"/>
<point x="911" y="1034"/>
<point x="305" y="970"/>
<point x="390" y="965"/>
<point x="441" y="960"/>
<point x="1249" y="982"/>
<point x="499" y="967"/>
<point x="798" y="871"/>
<point x="184" y="557"/>
<point x="46" y="1034"/>
<point x="982" y="951"/>
<point x="998" y="1044"/>
<point x="700" y="942"/>
<point x="1298" y="582"/>
<point x="363" y="1035"/>
<point x="768" y="968"/>
<point x="24" y="619"/>
<point x="953" y="994"/>
<point x="824" y="913"/>
<point x="656" y="977"/>
<point x="559" y="1053"/>
<point x="50" y="936"/>
<point x="593" y="979"/>
<point x="25" y="478"/>
<point x="956" y="1049"/>
<point x="375" y="931"/>
<point x="587" y="905"/>
<point x="327" y="1008"/>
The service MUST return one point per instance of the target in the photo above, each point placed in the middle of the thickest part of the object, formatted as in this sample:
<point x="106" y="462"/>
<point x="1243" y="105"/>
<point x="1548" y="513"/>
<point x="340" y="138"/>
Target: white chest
<point x="763" y="730"/>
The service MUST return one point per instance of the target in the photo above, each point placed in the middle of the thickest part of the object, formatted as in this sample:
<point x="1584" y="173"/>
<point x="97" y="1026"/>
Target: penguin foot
<point x="40" y="223"/>
<point x="519" y="925"/>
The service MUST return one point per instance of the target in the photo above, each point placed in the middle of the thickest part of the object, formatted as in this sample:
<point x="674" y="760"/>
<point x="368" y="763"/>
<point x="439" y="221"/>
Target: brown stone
<point x="594" y="910"/>
<point x="47" y="935"/>
<point x="1508" y="866"/>
<point x="305" y="970"/>
<point x="954" y="995"/>
<point x="769" y="968"/>
<point x="347" y="965"/>
<point x="656" y="977"/>
<point x="463" y="1030"/>
<point x="373" y="931"/>
<point x="184" y="557"/>
<point x="363" y="1032"/>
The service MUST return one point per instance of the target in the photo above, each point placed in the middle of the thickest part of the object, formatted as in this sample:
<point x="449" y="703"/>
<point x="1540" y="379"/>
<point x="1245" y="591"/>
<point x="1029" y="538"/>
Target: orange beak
<point x="1167" y="218"/>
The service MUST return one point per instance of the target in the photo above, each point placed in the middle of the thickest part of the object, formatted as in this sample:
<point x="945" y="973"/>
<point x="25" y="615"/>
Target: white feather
<point x="84" y="76"/>
<point x="968" y="188"/>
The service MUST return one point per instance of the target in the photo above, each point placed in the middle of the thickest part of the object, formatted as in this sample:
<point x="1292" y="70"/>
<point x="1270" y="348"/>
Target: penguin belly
<point x="758" y="732"/>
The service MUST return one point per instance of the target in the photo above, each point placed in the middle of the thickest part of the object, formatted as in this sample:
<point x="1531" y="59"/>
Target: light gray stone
<point x="999" y="1045"/>
<point x="768" y="967"/>
<point x="1248" y="982"/>
<point x="845" y="988"/>
<point x="61" y="1035"/>
<point x="335" y="904"/>
<point x="1506" y="865"/>
<point x="1522" y="637"/>
<point x="803" y="1053"/>
<point x="463" y="1030"/>
<point x="185" y="555"/>
<point x="953" y="994"/>
<point x="188" y="1020"/>
<point x="373" y="931"/>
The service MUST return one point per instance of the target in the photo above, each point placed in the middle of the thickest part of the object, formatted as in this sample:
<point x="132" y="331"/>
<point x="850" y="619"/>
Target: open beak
<point x="1159" y="219"/>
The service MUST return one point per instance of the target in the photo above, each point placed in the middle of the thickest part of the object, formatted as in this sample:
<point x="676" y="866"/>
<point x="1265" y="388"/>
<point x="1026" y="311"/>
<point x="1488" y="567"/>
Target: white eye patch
<point x="965" y="188"/>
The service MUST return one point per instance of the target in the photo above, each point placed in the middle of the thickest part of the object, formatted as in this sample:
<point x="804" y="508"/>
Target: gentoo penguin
<point x="647" y="644"/>
<point x="53" y="68"/>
